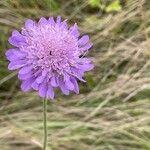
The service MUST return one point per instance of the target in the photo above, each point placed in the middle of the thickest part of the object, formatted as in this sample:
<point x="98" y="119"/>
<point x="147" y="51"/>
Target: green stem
<point x="45" y="123"/>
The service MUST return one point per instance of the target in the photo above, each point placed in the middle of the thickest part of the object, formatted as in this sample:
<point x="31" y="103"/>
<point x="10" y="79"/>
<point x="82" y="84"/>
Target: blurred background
<point x="112" y="111"/>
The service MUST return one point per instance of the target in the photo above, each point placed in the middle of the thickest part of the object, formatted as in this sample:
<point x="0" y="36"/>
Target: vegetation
<point x="112" y="110"/>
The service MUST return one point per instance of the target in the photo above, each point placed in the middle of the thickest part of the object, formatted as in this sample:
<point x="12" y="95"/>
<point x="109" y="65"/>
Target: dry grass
<point x="112" y="111"/>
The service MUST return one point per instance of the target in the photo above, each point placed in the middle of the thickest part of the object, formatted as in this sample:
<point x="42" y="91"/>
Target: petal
<point x="16" y="65"/>
<point x="84" y="40"/>
<point x="64" y="25"/>
<point x="78" y="74"/>
<point x="40" y="79"/>
<point x="43" y="21"/>
<point x="86" y="47"/>
<point x="68" y="83"/>
<point x="17" y="39"/>
<point x="35" y="85"/>
<point x="51" y="21"/>
<point x="50" y="92"/>
<point x="74" y="30"/>
<point x="25" y="70"/>
<point x="54" y="82"/>
<point x="63" y="87"/>
<point x="76" y="86"/>
<point x="26" y="85"/>
<point x="86" y="67"/>
<point x="25" y="76"/>
<point x="58" y="21"/>
<point x="29" y="24"/>
<point x="43" y="89"/>
<point x="84" y="60"/>
<point x="37" y="73"/>
<point x="44" y="73"/>
<point x="14" y="54"/>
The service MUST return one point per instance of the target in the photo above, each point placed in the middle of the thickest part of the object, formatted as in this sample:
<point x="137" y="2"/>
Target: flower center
<point x="52" y="48"/>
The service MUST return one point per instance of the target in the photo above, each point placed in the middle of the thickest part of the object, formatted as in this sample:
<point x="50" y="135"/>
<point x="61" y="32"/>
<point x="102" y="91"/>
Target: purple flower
<point x="49" y="54"/>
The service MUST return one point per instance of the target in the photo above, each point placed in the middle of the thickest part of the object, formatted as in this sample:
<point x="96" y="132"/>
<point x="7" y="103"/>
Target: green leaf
<point x="114" y="6"/>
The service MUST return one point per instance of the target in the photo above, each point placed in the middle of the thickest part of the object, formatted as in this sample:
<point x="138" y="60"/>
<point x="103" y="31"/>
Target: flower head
<point x="49" y="54"/>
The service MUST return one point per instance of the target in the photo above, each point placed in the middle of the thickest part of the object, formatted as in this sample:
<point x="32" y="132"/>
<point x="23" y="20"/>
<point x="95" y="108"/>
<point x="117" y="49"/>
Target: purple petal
<point x="68" y="83"/>
<point x="16" y="65"/>
<point x="25" y="70"/>
<point x="29" y="24"/>
<point x="26" y="85"/>
<point x="17" y="39"/>
<point x="78" y="74"/>
<point x="50" y="92"/>
<point x="86" y="67"/>
<point x="74" y="30"/>
<point x="14" y="54"/>
<point x="54" y="82"/>
<point x="64" y="25"/>
<point x="84" y="40"/>
<point x="84" y="61"/>
<point x="63" y="87"/>
<point x="76" y="86"/>
<point x="58" y="21"/>
<point x="86" y="47"/>
<point x="44" y="73"/>
<point x="37" y="73"/>
<point x="25" y="76"/>
<point x="40" y="79"/>
<point x="43" y="21"/>
<point x="43" y="89"/>
<point x="35" y="85"/>
<point x="51" y="21"/>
